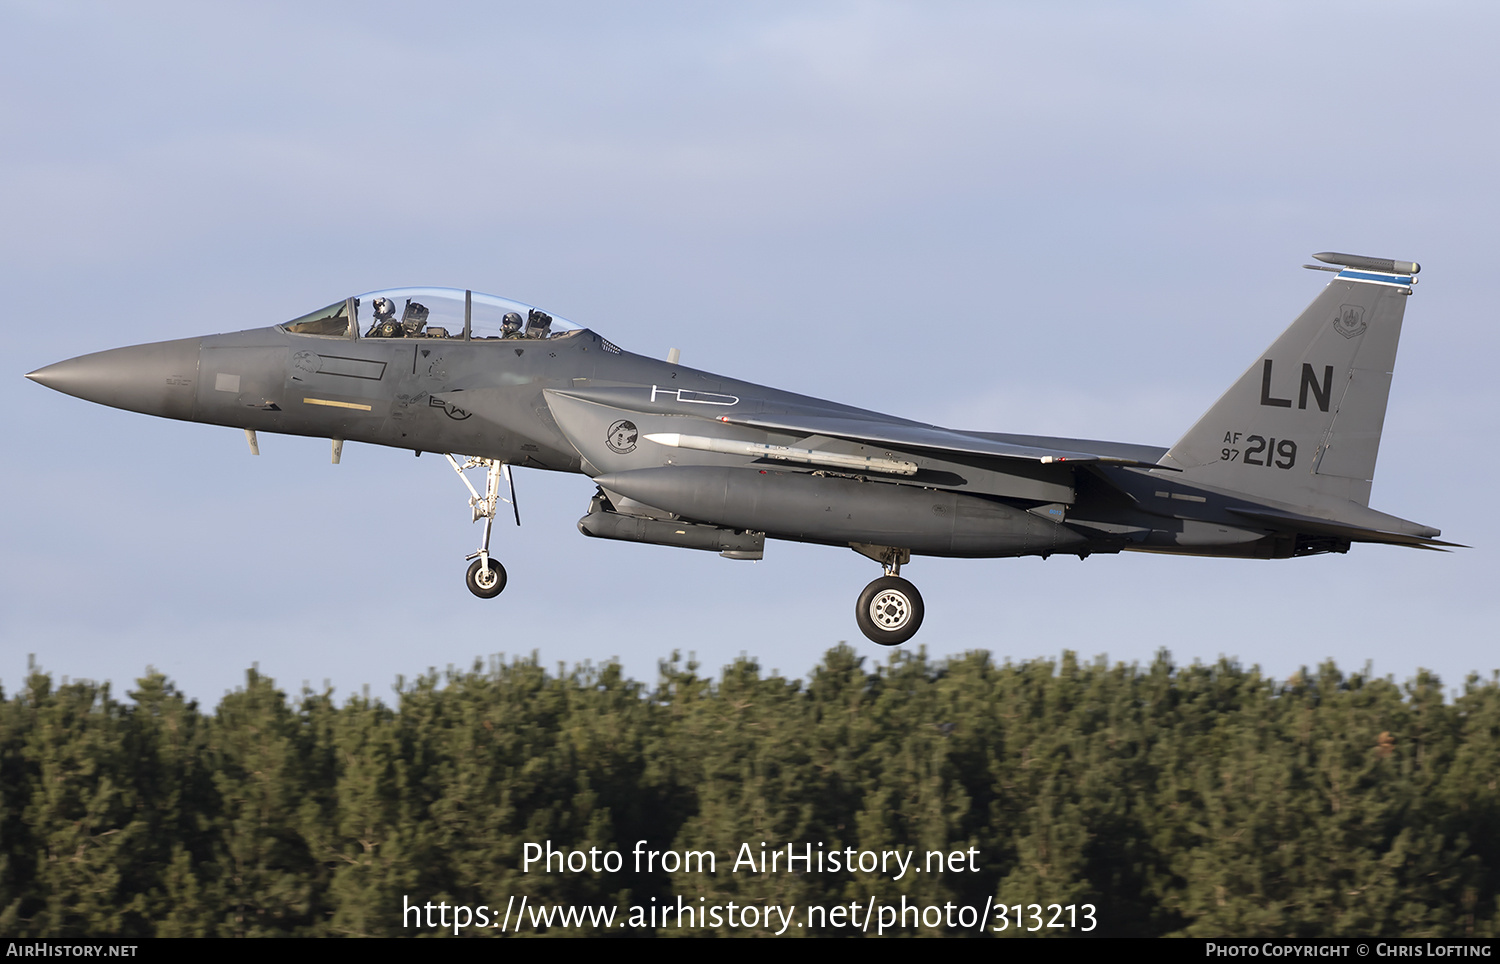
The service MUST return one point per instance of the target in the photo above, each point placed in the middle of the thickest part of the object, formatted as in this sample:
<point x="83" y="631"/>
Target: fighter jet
<point x="1280" y="466"/>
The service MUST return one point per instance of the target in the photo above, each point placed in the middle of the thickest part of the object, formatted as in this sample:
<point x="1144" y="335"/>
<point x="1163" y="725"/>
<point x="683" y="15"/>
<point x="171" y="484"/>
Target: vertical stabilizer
<point x="1302" y="425"/>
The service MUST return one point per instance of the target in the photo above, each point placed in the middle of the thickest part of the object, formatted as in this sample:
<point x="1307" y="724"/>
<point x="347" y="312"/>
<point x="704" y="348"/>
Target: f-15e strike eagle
<point x="1280" y="466"/>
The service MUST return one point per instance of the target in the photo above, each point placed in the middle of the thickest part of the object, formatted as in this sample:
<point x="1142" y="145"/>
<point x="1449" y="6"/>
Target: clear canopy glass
<point x="433" y="313"/>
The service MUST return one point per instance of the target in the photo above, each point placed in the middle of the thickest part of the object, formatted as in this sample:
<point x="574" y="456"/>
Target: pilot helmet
<point x="384" y="307"/>
<point x="511" y="321"/>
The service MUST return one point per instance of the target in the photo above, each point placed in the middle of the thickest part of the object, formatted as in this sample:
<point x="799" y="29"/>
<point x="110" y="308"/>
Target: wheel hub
<point x="890" y="610"/>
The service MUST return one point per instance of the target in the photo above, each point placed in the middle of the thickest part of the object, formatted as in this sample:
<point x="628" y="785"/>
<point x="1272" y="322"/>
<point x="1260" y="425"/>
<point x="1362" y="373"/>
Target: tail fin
<point x="1302" y="425"/>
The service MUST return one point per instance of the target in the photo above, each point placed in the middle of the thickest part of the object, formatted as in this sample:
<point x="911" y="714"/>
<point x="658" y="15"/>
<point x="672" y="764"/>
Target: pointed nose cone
<point x="157" y="379"/>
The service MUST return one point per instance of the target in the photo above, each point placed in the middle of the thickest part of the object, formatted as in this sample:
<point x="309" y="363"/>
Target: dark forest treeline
<point x="1202" y="800"/>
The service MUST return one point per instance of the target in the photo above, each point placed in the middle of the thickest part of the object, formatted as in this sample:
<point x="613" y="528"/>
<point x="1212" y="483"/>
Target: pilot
<point x="385" y="325"/>
<point x="510" y="325"/>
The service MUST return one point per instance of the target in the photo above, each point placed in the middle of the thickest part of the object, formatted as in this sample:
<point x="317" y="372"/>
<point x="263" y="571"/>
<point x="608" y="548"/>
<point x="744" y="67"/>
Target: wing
<point x="589" y="418"/>
<point x="932" y="440"/>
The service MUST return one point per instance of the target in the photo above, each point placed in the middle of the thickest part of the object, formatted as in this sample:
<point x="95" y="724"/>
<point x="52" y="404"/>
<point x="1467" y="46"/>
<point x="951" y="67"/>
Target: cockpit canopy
<point x="431" y="313"/>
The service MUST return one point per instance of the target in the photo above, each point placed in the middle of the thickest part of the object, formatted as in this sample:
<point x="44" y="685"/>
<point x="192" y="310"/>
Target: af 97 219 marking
<point x="1259" y="450"/>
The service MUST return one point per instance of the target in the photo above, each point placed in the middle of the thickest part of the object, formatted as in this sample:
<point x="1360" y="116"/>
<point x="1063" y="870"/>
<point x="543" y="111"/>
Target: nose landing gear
<point x="486" y="577"/>
<point x="889" y="611"/>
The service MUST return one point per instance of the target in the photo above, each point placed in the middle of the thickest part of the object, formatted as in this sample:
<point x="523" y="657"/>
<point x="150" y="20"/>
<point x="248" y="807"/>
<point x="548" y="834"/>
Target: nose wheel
<point x="889" y="611"/>
<point x="486" y="577"/>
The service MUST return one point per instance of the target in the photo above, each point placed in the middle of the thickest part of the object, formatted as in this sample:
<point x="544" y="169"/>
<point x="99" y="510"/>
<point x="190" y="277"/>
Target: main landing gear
<point x="890" y="610"/>
<point x="486" y="577"/>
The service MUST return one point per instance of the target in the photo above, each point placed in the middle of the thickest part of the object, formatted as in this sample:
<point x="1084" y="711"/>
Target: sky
<point x="1074" y="219"/>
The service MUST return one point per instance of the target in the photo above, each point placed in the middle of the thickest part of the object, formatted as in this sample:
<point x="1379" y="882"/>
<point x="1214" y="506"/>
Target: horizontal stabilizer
<point x="1416" y="536"/>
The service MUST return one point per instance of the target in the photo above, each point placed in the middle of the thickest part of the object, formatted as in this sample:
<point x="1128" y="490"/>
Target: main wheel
<point x="889" y="611"/>
<point x="486" y="583"/>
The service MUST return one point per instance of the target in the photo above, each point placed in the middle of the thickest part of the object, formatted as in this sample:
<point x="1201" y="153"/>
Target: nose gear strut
<point x="486" y="577"/>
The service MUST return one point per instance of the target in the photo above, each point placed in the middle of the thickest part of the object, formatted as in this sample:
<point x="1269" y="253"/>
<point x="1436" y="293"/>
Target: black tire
<point x="479" y="586"/>
<point x="889" y="611"/>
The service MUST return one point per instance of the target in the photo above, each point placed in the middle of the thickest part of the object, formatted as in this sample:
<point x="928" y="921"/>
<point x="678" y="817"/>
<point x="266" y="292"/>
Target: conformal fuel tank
<point x="803" y="507"/>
